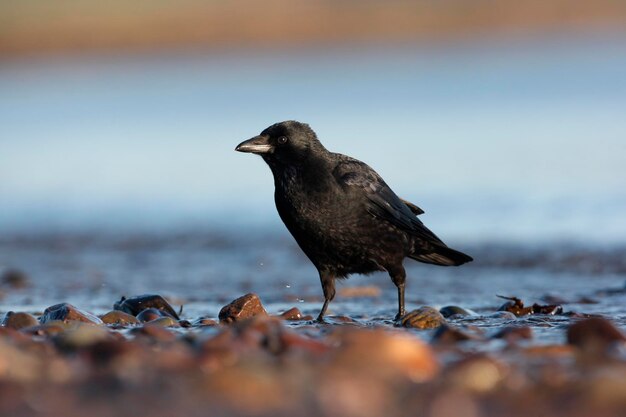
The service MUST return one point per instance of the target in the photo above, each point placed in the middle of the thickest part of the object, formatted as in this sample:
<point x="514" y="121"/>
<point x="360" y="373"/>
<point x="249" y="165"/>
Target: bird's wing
<point x="381" y="201"/>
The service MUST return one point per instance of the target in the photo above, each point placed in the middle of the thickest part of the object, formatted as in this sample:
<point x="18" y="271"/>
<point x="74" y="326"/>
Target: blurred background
<point x="504" y="120"/>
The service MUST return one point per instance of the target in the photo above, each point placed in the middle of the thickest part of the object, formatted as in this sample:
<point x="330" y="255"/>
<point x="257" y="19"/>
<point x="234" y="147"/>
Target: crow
<point x="342" y="214"/>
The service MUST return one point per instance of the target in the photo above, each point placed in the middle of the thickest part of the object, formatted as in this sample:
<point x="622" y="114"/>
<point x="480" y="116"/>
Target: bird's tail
<point x="442" y="255"/>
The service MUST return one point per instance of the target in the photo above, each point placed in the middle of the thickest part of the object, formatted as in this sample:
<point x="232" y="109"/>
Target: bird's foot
<point x="320" y="320"/>
<point x="399" y="316"/>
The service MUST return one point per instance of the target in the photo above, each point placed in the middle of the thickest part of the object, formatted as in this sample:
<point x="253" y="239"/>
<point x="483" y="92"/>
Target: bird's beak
<point x="258" y="144"/>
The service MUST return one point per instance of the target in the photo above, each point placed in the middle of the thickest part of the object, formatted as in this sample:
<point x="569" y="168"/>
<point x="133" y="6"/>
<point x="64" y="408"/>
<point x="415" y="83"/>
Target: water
<point x="118" y="175"/>
<point x="516" y="139"/>
<point x="205" y="270"/>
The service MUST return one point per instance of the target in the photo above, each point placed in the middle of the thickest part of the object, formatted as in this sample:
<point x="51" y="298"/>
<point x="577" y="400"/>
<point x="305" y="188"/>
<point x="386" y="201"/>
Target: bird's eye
<point x="282" y="140"/>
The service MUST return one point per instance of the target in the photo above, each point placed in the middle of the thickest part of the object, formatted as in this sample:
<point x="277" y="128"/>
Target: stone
<point x="292" y="314"/>
<point x="66" y="312"/>
<point x="423" y="318"/>
<point x="449" y="311"/>
<point x="150" y="314"/>
<point x="137" y="304"/>
<point x="14" y="278"/>
<point x="80" y="336"/>
<point x="514" y="333"/>
<point x="449" y="335"/>
<point x="19" y="320"/>
<point x="242" y="308"/>
<point x="381" y="352"/>
<point x="119" y="317"/>
<point x="594" y="335"/>
<point x="165" y="322"/>
<point x="204" y="321"/>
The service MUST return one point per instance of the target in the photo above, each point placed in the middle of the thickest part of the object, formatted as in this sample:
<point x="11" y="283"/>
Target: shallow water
<point x="202" y="271"/>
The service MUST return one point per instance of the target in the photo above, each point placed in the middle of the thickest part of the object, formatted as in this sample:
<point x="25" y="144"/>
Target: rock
<point x="154" y="332"/>
<point x="449" y="311"/>
<point x="150" y="314"/>
<point x="15" y="279"/>
<point x="479" y="374"/>
<point x="165" y="322"/>
<point x="291" y="314"/>
<point x="19" y="320"/>
<point x="594" y="335"/>
<point x="423" y="318"/>
<point x="513" y="333"/>
<point x="242" y="308"/>
<point x="80" y="336"/>
<point x="48" y="329"/>
<point x="204" y="321"/>
<point x="119" y="317"/>
<point x="371" y="353"/>
<point x="66" y="312"/>
<point x="449" y="335"/>
<point x="137" y="304"/>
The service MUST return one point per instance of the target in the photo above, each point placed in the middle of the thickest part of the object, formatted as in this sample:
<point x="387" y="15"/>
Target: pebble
<point x="165" y="322"/>
<point x="80" y="336"/>
<point x="150" y="314"/>
<point x="119" y="317"/>
<point x="204" y="321"/>
<point x="14" y="278"/>
<point x="594" y="335"/>
<point x="423" y="318"/>
<point x="137" y="304"/>
<point x="242" y="308"/>
<point x="364" y="351"/>
<point x="449" y="311"/>
<point x="66" y="312"/>
<point x="446" y="334"/>
<point x="291" y="314"/>
<point x="514" y="333"/>
<point x="19" y="320"/>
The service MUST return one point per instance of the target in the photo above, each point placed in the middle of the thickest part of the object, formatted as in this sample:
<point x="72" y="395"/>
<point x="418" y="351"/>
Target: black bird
<point x="343" y="215"/>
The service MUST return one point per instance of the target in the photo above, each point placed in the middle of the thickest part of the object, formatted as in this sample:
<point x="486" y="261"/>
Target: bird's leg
<point x="398" y="276"/>
<point x="328" y="286"/>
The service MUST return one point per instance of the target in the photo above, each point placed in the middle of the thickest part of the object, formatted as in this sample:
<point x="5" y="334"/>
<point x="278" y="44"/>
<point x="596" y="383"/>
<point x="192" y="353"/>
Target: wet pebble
<point x="66" y="312"/>
<point x="150" y="314"/>
<point x="242" y="308"/>
<point x="204" y="321"/>
<point x="137" y="304"/>
<point x="81" y="335"/>
<point x="19" y="320"/>
<point x="15" y="279"/>
<point x="514" y="333"/>
<point x="364" y="351"/>
<point x="478" y="373"/>
<point x="449" y="311"/>
<point x="594" y="335"/>
<point x="449" y="335"/>
<point x="165" y="322"/>
<point x="119" y="317"/>
<point x="423" y="318"/>
<point x="292" y="314"/>
<point x="154" y="332"/>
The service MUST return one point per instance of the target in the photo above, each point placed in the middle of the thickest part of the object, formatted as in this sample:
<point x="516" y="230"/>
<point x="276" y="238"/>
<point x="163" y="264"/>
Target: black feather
<point x="341" y="212"/>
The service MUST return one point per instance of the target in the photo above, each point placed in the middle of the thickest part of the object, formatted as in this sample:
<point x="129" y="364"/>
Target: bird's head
<point x="284" y="143"/>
